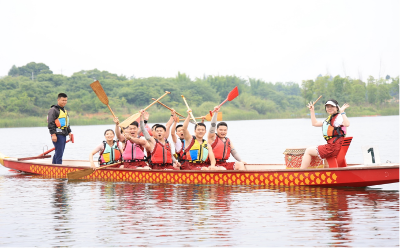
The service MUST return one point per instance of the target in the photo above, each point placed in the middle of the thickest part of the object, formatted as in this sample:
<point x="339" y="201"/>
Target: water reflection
<point x="203" y="212"/>
<point x="61" y="210"/>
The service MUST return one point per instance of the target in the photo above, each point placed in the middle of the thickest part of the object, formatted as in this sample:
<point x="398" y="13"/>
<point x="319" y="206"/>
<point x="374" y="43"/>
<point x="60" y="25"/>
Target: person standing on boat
<point x="222" y="146"/>
<point x="198" y="154"/>
<point x="333" y="130"/>
<point x="58" y="124"/>
<point x="158" y="148"/>
<point x="110" y="150"/>
<point x="133" y="150"/>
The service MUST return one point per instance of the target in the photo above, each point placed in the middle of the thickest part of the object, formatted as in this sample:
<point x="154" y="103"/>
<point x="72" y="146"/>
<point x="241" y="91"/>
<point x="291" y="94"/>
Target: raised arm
<point x="169" y="123"/>
<point x="346" y="121"/>
<point x="186" y="133"/>
<point x="144" y="130"/>
<point x="211" y="132"/>
<point x="173" y="135"/>
<point x="120" y="137"/>
<point x="314" y="121"/>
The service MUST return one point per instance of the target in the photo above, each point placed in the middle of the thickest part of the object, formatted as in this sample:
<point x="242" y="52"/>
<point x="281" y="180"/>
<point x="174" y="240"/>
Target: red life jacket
<point x="180" y="155"/>
<point x="161" y="153"/>
<point x="133" y="152"/>
<point x="221" y="150"/>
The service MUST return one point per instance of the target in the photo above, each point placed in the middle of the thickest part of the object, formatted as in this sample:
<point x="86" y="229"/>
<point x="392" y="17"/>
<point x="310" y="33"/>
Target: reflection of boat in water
<point x="256" y="174"/>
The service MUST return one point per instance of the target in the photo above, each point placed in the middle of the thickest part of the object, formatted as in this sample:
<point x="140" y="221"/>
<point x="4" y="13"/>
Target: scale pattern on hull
<point x="242" y="178"/>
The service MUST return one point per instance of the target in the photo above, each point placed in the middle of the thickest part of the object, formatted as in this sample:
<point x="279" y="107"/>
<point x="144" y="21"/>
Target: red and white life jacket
<point x="329" y="131"/>
<point x="180" y="155"/>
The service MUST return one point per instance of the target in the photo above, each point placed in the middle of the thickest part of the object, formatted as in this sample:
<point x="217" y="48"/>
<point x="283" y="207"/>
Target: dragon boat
<point x="337" y="173"/>
<point x="256" y="174"/>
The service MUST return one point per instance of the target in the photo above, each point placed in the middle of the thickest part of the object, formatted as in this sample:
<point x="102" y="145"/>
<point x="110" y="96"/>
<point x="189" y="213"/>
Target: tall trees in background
<point x="22" y="95"/>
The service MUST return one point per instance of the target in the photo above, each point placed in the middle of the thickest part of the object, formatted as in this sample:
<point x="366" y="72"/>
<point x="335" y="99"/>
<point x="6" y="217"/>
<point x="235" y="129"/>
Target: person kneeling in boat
<point x="198" y="154"/>
<point x="133" y="151"/>
<point x="333" y="130"/>
<point x="159" y="148"/>
<point x="222" y="146"/>
<point x="110" y="150"/>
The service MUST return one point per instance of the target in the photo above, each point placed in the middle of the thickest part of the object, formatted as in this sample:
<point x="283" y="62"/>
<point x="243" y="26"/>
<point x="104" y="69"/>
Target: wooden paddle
<point x="208" y="117"/>
<point x="162" y="104"/>
<point x="191" y="114"/>
<point x="101" y="94"/>
<point x="52" y="149"/>
<point x="232" y="95"/>
<point x="85" y="172"/>
<point x="317" y="100"/>
<point x="134" y="117"/>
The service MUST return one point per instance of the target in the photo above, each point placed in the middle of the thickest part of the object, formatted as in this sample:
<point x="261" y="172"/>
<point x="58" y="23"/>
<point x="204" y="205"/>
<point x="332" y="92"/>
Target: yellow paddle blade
<point x="85" y="172"/>
<point x="219" y="117"/>
<point x="79" y="174"/>
<point x="101" y="94"/>
<point x="129" y="120"/>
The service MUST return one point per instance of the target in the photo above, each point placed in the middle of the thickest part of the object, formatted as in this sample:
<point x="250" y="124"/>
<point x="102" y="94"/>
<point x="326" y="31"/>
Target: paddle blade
<point x="219" y="117"/>
<point x="72" y="138"/>
<point x="129" y="120"/>
<point x="233" y="94"/>
<point x="101" y="94"/>
<point x="79" y="174"/>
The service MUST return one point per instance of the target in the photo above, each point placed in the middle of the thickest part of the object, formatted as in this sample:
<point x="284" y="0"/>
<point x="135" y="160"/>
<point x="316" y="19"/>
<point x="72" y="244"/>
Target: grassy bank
<point x="162" y="115"/>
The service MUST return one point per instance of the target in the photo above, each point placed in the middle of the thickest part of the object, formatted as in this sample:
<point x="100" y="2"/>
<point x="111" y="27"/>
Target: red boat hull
<point x="333" y="177"/>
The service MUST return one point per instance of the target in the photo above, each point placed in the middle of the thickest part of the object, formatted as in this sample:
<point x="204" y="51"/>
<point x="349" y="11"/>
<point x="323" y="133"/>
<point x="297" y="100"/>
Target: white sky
<point x="279" y="40"/>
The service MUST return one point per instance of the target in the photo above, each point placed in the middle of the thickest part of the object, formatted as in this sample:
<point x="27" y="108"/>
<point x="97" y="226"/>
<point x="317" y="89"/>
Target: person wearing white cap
<point x="333" y="130"/>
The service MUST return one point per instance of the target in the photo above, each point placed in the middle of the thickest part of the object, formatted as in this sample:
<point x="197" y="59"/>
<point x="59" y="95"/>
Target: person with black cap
<point x="333" y="129"/>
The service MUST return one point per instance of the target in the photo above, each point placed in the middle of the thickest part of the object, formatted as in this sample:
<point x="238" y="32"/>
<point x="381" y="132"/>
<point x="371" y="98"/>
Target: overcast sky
<point x="277" y="41"/>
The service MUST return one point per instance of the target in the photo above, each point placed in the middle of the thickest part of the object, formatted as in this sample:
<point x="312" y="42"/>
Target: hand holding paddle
<point x="310" y="105"/>
<point x="232" y="95"/>
<point x="134" y="117"/>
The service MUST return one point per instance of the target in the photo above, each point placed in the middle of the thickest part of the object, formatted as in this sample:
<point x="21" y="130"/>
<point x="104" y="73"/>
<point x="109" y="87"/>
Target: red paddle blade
<point x="233" y="94"/>
<point x="72" y="138"/>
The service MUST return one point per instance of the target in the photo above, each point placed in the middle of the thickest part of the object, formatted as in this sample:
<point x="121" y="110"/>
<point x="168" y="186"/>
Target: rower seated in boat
<point x="160" y="150"/>
<point x="133" y="150"/>
<point x="197" y="153"/>
<point x="333" y="129"/>
<point x="222" y="146"/>
<point x="110" y="150"/>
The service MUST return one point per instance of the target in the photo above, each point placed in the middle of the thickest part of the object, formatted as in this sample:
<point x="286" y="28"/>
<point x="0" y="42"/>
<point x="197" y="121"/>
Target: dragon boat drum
<point x="294" y="156"/>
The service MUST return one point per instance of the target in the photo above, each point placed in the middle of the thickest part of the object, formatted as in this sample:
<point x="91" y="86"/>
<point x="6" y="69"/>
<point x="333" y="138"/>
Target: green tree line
<point x="28" y="92"/>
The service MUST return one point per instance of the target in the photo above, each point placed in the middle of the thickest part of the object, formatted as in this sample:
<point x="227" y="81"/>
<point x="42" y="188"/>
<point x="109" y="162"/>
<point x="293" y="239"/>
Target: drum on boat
<point x="294" y="156"/>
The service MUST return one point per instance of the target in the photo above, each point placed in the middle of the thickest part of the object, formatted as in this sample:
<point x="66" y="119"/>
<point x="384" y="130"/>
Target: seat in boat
<point x="340" y="160"/>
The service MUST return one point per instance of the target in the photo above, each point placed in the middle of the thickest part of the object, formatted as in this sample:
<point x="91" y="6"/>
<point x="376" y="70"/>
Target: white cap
<point x="330" y="103"/>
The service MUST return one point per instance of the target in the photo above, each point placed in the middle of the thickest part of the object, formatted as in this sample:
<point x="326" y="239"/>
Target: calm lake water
<point x="53" y="212"/>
